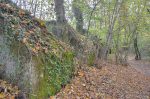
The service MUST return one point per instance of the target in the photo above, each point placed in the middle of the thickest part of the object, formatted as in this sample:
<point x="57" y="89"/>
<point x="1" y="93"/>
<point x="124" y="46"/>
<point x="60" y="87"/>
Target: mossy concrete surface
<point x="30" y="56"/>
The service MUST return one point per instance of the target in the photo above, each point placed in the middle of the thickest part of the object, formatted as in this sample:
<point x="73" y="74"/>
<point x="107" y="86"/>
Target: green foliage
<point x="59" y="70"/>
<point x="91" y="59"/>
<point x="57" y="73"/>
<point x="100" y="33"/>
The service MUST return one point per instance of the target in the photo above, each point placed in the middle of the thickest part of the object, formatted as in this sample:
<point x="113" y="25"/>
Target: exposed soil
<point x="109" y="82"/>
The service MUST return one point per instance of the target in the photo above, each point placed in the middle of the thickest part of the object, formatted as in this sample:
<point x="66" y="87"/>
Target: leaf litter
<point x="110" y="82"/>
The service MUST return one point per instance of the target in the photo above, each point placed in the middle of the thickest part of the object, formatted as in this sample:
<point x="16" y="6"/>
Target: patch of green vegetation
<point x="91" y="59"/>
<point x="57" y="72"/>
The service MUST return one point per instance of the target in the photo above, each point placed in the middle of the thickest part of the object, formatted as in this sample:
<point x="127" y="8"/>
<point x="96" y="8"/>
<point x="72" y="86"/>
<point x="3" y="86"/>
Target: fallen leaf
<point x="81" y="74"/>
<point x="24" y="40"/>
<point x="12" y="97"/>
<point x="52" y="97"/>
<point x="34" y="50"/>
<point x="21" y="13"/>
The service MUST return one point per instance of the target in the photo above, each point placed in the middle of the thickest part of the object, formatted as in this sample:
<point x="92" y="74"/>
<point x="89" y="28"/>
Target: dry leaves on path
<point x="7" y="91"/>
<point x="110" y="82"/>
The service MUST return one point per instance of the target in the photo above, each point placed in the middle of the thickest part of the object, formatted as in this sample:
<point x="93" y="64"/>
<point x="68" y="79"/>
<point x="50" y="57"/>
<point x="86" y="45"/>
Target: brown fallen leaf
<point x="12" y="97"/>
<point x="80" y="73"/>
<point x="52" y="97"/>
<point x="21" y="13"/>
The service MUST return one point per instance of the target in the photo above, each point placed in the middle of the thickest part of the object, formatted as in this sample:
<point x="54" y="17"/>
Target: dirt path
<point x="142" y="66"/>
<point x="110" y="82"/>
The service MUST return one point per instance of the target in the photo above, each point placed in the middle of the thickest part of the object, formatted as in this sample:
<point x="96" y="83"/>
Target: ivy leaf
<point x="81" y="73"/>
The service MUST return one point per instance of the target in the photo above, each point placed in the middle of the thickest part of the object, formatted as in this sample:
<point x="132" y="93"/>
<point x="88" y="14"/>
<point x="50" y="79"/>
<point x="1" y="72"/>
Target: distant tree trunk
<point x="24" y="4"/>
<point x="111" y="27"/>
<point x="41" y="9"/>
<point x="60" y="11"/>
<point x="35" y="7"/>
<point x="78" y="16"/>
<point x="117" y="44"/>
<point x="31" y="6"/>
<point x="137" y="52"/>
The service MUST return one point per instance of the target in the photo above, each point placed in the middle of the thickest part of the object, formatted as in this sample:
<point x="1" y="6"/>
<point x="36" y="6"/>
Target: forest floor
<point x="110" y="82"/>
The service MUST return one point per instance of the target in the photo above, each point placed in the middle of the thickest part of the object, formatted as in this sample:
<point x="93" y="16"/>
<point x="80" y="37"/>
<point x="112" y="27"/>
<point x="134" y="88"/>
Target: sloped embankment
<point x="30" y="56"/>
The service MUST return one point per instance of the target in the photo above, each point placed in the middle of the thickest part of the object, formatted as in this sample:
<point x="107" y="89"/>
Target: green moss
<point x="41" y="90"/>
<point x="57" y="72"/>
<point x="91" y="59"/>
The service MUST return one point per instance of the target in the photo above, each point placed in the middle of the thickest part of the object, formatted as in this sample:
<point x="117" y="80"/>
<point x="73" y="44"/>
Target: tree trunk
<point x="60" y="11"/>
<point x="110" y="30"/>
<point x="78" y="16"/>
<point x="35" y="7"/>
<point x="137" y="52"/>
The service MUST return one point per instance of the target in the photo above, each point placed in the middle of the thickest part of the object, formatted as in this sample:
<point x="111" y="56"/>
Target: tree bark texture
<point x="60" y="11"/>
<point x="137" y="52"/>
<point x="78" y="14"/>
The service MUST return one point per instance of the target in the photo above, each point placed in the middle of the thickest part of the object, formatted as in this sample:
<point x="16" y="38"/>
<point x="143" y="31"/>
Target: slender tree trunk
<point x="117" y="44"/>
<point x="110" y="30"/>
<point x="31" y="6"/>
<point x="24" y="4"/>
<point x="137" y="52"/>
<point x="41" y="9"/>
<point x="35" y="4"/>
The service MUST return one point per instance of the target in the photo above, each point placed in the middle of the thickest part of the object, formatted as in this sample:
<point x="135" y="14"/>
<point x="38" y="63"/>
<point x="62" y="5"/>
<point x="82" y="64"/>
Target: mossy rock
<point x="31" y="57"/>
